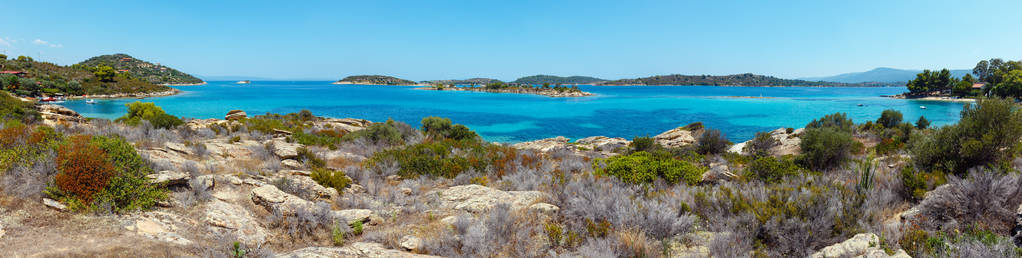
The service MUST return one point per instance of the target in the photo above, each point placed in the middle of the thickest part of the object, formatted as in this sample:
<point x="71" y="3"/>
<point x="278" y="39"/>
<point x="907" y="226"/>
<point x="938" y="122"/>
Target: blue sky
<point x="422" y="40"/>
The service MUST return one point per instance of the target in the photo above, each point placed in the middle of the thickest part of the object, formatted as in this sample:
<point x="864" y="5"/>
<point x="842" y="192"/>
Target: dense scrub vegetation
<point x="375" y="80"/>
<point x="50" y="79"/>
<point x="146" y="71"/>
<point x="949" y="191"/>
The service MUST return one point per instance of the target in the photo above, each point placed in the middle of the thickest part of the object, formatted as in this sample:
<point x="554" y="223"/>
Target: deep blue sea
<point x="616" y="111"/>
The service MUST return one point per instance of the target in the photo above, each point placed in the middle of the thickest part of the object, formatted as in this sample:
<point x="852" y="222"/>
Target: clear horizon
<point x="464" y="39"/>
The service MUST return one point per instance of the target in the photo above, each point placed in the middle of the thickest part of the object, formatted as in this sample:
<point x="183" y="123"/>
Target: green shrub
<point x="554" y="232"/>
<point x="917" y="183"/>
<point x="988" y="132"/>
<point x="761" y="144"/>
<point x="310" y="158"/>
<point x="839" y="121"/>
<point x="643" y="144"/>
<point x="712" y="142"/>
<point x="14" y="108"/>
<point x="889" y="118"/>
<point x="356" y="227"/>
<point x="115" y="178"/>
<point x="337" y="234"/>
<point x="438" y="158"/>
<point x="827" y="147"/>
<point x="378" y="132"/>
<point x="331" y="178"/>
<point x="644" y="168"/>
<point x="148" y="111"/>
<point x="442" y="127"/>
<point x="772" y="170"/>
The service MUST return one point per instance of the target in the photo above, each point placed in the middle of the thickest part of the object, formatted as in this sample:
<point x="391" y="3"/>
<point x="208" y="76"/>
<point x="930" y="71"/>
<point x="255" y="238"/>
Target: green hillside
<point x="471" y="81"/>
<point x="154" y="73"/>
<point x="551" y="79"/>
<point x="49" y="78"/>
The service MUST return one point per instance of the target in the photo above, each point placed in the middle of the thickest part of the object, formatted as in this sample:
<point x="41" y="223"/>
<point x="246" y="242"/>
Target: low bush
<point x="387" y="133"/>
<point x="148" y="111"/>
<point x="643" y="144"/>
<point x="712" y="142"/>
<point x="772" y="170"/>
<point x="443" y="128"/>
<point x="84" y="169"/>
<point x="761" y="144"/>
<point x="448" y="158"/>
<point x="104" y="172"/>
<point x="644" y="168"/>
<point x="331" y="178"/>
<point x="825" y="148"/>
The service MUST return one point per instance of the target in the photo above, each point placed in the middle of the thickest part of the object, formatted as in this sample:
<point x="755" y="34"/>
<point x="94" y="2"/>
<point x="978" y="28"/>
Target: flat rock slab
<point x="236" y="220"/>
<point x="169" y="178"/>
<point x="477" y="198"/>
<point x="359" y="249"/>
<point x="54" y="204"/>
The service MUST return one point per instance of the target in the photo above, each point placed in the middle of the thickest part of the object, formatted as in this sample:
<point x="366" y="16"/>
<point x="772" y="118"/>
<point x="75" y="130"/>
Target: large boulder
<point x="274" y="199"/>
<point x="479" y="199"/>
<point x="343" y="124"/>
<point x="55" y="115"/>
<point x="285" y="150"/>
<point x="169" y="178"/>
<point x="681" y="136"/>
<point x="235" y="115"/>
<point x="860" y="245"/>
<point x="359" y="249"/>
<point x="235" y="220"/>
<point x="602" y="143"/>
<point x="787" y="143"/>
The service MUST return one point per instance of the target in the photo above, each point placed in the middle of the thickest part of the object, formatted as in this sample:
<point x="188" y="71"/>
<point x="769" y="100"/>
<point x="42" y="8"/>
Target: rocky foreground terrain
<point x="238" y="191"/>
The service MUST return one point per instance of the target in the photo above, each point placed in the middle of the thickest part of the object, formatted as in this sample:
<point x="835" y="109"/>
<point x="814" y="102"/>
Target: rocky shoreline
<point x="130" y="95"/>
<point x="933" y="98"/>
<point x="541" y="92"/>
<point x="184" y="84"/>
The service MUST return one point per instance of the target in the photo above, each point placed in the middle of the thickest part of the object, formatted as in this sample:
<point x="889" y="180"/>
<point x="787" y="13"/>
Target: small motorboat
<point x="91" y="101"/>
<point x="860" y="104"/>
<point x="47" y="99"/>
<point x="922" y="107"/>
<point x="244" y="82"/>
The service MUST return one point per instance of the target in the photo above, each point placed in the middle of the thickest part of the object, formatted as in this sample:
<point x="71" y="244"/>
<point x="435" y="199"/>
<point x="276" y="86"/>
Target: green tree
<point x="1010" y="85"/>
<point x="982" y="69"/>
<point x="930" y="81"/>
<point x="104" y="73"/>
<point x="922" y="123"/>
<point x="988" y="132"/>
<point x="838" y="120"/>
<point x="889" y="118"/>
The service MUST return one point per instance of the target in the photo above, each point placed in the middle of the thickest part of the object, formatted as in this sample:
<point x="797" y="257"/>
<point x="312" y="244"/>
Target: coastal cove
<point x="614" y="111"/>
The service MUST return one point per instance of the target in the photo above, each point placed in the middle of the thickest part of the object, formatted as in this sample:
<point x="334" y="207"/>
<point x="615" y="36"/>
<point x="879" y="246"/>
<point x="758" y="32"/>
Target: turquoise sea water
<point x="616" y="111"/>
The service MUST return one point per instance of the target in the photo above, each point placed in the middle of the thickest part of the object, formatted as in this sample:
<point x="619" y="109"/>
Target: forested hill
<point x="472" y="81"/>
<point x="551" y="79"/>
<point x="154" y="73"/>
<point x="745" y="79"/>
<point x="374" y="80"/>
<point x="44" y="78"/>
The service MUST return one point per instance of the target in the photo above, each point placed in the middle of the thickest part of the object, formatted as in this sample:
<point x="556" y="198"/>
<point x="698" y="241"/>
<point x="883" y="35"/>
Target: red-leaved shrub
<point x="84" y="169"/>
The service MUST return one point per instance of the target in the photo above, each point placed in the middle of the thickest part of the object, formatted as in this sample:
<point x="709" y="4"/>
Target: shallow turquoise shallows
<point x="624" y="111"/>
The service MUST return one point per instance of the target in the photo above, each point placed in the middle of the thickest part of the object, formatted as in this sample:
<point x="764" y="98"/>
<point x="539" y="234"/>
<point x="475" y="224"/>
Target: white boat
<point x="244" y="82"/>
<point x="922" y="107"/>
<point x="91" y="101"/>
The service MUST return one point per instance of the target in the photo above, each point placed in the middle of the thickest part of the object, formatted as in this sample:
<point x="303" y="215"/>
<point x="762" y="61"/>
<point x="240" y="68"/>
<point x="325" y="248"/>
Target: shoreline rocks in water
<point x="130" y="95"/>
<point x="533" y="91"/>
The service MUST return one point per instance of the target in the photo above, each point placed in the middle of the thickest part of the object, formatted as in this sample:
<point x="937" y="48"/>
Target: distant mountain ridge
<point x="880" y="74"/>
<point x="154" y="73"/>
<point x="551" y="79"/>
<point x="745" y="79"/>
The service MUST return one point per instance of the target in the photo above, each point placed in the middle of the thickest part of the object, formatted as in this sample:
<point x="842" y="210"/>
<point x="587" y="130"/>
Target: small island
<point x="375" y="80"/>
<point x="500" y="87"/>
<point x="26" y="77"/>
